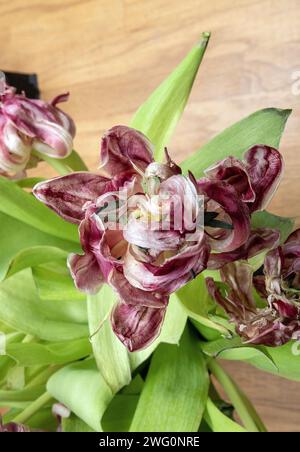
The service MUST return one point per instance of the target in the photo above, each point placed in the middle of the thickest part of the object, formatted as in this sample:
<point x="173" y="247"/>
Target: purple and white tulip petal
<point x="91" y="238"/>
<point x="123" y="149"/>
<point x="158" y="172"/>
<point x="279" y="287"/>
<point x="225" y="196"/>
<point x="51" y="130"/>
<point x="265" y="168"/>
<point x="255" y="179"/>
<point x="139" y="233"/>
<point x="173" y="273"/>
<point x="234" y="172"/>
<point x="68" y="195"/>
<point x="137" y="326"/>
<point x="86" y="272"/>
<point x="133" y="296"/>
<point x="14" y="149"/>
<point x="12" y="427"/>
<point x="259" y="241"/>
<point x="291" y="252"/>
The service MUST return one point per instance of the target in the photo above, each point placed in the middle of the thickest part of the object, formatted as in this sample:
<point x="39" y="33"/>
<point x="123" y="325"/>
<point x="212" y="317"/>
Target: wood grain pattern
<point x="111" y="54"/>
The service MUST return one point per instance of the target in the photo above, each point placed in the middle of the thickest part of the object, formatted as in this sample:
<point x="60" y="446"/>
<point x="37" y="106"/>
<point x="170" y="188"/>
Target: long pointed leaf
<point x="243" y="406"/>
<point x="22" y="206"/>
<point x="22" y="309"/>
<point x="218" y="422"/>
<point x="158" y="116"/>
<point x="263" y="127"/>
<point x="110" y="354"/>
<point x="176" y="388"/>
<point x="34" y="354"/>
<point x="21" y="240"/>
<point x="83" y="390"/>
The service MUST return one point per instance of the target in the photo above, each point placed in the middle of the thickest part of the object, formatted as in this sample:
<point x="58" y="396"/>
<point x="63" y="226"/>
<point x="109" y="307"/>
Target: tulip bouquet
<point x="121" y="290"/>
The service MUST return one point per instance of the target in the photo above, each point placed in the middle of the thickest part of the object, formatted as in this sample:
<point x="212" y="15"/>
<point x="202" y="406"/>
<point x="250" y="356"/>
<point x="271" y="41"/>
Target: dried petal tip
<point x="137" y="326"/>
<point x="278" y="322"/>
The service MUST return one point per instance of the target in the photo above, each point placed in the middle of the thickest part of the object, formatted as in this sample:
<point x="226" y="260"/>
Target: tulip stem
<point x="242" y="405"/>
<point x="23" y="417"/>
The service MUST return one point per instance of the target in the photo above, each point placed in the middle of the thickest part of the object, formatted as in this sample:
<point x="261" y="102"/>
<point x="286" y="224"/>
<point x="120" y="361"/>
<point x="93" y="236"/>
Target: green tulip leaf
<point x="267" y="220"/>
<point x="22" y="309"/>
<point x="22" y="206"/>
<point x="218" y="422"/>
<point x="26" y="246"/>
<point x="54" y="282"/>
<point x="22" y="398"/>
<point x="34" y="256"/>
<point x="175" y="393"/>
<point x="113" y="365"/>
<point x="83" y="390"/>
<point x="42" y="354"/>
<point x="158" y="116"/>
<point x="233" y="349"/>
<point x="286" y="360"/>
<point x="263" y="127"/>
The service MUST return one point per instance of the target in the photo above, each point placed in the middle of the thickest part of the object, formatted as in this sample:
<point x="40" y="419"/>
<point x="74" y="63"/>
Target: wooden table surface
<point x="111" y="54"/>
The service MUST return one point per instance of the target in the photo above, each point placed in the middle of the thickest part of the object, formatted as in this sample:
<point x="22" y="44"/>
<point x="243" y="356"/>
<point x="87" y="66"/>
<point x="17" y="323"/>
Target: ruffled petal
<point x="137" y="326"/>
<point x="86" y="272"/>
<point x="183" y="201"/>
<point x="234" y="172"/>
<point x="259" y="282"/>
<point x="285" y="308"/>
<point x="14" y="149"/>
<point x="133" y="296"/>
<point x="273" y="269"/>
<point x="225" y="196"/>
<point x="158" y="172"/>
<point x="259" y="241"/>
<point x="291" y="253"/>
<point x="173" y="273"/>
<point x="265" y="168"/>
<point x="68" y="195"/>
<point x="123" y="149"/>
<point x="91" y="238"/>
<point x="51" y="130"/>
<point x="238" y="276"/>
<point x="140" y="233"/>
<point x="294" y="237"/>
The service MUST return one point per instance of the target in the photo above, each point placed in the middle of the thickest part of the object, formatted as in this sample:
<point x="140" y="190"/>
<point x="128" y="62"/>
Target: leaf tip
<point x="205" y="39"/>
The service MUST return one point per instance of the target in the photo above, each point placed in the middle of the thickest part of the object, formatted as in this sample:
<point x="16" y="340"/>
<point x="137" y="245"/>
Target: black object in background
<point x="24" y="82"/>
